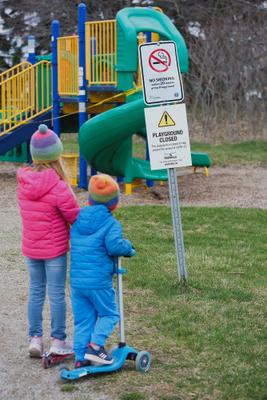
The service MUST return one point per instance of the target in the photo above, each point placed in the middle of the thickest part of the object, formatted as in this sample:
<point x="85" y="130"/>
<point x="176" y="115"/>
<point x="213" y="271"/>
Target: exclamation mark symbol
<point x="166" y="120"/>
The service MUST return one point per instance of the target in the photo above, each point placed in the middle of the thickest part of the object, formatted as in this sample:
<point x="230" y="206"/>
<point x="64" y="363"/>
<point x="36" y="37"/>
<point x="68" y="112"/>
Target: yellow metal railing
<point x="141" y="38"/>
<point x="101" y="50"/>
<point x="101" y="55"/>
<point x="70" y="162"/>
<point x="68" y="65"/>
<point x="25" y="95"/>
<point x="9" y="73"/>
<point x="158" y="9"/>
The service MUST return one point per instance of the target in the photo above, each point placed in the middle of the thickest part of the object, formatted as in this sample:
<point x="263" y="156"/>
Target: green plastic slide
<point x="106" y="143"/>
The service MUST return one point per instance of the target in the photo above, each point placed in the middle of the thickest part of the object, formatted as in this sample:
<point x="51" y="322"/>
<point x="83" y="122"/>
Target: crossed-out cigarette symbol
<point x="159" y="60"/>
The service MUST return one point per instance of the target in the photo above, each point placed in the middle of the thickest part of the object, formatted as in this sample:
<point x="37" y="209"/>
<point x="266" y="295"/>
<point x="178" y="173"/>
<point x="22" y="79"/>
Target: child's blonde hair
<point x="56" y="165"/>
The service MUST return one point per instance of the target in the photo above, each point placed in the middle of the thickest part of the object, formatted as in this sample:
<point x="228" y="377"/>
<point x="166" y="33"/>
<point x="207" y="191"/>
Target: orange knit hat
<point x="103" y="189"/>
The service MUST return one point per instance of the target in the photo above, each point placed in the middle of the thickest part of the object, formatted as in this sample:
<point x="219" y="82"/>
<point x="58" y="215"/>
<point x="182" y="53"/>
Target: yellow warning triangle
<point x="166" y="120"/>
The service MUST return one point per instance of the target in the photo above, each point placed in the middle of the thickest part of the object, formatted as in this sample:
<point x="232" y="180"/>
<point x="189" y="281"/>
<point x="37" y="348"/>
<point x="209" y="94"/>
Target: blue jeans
<point x="50" y="273"/>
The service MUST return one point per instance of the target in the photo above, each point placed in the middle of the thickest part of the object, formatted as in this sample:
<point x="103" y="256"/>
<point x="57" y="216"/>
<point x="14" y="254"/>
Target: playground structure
<point x="94" y="73"/>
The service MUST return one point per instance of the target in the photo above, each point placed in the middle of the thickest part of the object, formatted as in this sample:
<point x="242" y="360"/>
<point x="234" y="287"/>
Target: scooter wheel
<point x="143" y="361"/>
<point x="63" y="367"/>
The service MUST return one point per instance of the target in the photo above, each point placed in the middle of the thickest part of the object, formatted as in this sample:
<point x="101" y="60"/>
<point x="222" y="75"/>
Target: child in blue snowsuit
<point x="96" y="238"/>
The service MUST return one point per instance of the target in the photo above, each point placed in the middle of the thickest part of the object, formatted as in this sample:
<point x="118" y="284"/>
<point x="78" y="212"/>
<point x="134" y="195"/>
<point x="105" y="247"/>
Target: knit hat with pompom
<point x="104" y="190"/>
<point x="45" y="145"/>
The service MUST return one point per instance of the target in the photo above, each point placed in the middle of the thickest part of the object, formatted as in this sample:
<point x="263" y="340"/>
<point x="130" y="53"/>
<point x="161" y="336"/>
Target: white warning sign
<point x="161" y="77"/>
<point x="167" y="135"/>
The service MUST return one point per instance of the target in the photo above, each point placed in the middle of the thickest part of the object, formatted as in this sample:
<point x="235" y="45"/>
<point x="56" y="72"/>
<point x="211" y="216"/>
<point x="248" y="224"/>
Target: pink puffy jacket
<point x="47" y="207"/>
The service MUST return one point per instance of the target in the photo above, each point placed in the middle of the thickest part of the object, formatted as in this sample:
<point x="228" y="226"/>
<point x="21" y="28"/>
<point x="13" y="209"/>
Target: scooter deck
<point x="119" y="354"/>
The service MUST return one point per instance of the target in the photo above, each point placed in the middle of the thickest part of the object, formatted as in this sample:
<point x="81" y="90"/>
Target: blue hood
<point x="90" y="221"/>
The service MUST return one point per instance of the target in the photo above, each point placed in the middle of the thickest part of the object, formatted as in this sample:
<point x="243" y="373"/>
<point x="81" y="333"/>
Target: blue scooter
<point x="120" y="353"/>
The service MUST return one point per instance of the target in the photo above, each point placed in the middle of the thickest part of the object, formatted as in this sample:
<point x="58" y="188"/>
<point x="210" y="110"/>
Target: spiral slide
<point x="106" y="143"/>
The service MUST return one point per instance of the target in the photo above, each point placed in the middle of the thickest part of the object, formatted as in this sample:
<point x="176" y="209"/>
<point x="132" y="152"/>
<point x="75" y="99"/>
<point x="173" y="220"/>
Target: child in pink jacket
<point x="48" y="207"/>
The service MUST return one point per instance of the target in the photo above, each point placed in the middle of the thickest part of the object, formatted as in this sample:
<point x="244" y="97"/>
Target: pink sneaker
<point x="36" y="347"/>
<point x="61" y="347"/>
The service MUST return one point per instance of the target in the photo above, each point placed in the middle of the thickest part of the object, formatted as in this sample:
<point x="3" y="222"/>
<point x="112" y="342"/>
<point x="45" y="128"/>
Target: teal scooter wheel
<point x="63" y="369"/>
<point x="143" y="361"/>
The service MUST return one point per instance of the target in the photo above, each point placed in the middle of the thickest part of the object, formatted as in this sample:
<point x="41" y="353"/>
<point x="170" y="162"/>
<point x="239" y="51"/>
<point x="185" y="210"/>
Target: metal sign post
<point x="166" y="126"/>
<point x="177" y="224"/>
<point x="169" y="147"/>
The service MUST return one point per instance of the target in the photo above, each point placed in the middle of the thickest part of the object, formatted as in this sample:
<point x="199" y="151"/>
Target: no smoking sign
<point x="160" y="60"/>
<point x="161" y="77"/>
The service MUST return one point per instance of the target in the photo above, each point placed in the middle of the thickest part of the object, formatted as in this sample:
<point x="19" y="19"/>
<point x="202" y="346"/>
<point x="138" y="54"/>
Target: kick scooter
<point x="121" y="352"/>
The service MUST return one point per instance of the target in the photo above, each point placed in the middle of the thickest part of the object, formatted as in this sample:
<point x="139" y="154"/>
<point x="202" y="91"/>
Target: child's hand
<point x="132" y="252"/>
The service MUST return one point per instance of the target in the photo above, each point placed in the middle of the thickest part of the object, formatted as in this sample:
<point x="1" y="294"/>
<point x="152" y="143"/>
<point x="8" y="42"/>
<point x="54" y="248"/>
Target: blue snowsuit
<point x="96" y="238"/>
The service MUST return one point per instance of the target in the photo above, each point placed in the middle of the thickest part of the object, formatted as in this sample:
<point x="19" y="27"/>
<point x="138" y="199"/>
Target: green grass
<point x="68" y="387"/>
<point x="246" y="153"/>
<point x="253" y="153"/>
<point x="207" y="338"/>
<point x="133" y="396"/>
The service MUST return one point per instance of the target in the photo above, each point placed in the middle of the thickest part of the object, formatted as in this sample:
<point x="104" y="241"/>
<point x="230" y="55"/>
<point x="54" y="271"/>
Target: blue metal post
<point x="148" y="37"/>
<point x="31" y="49"/>
<point x="56" y="98"/>
<point x="149" y="182"/>
<point x="32" y="59"/>
<point x="82" y="89"/>
<point x="92" y="59"/>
